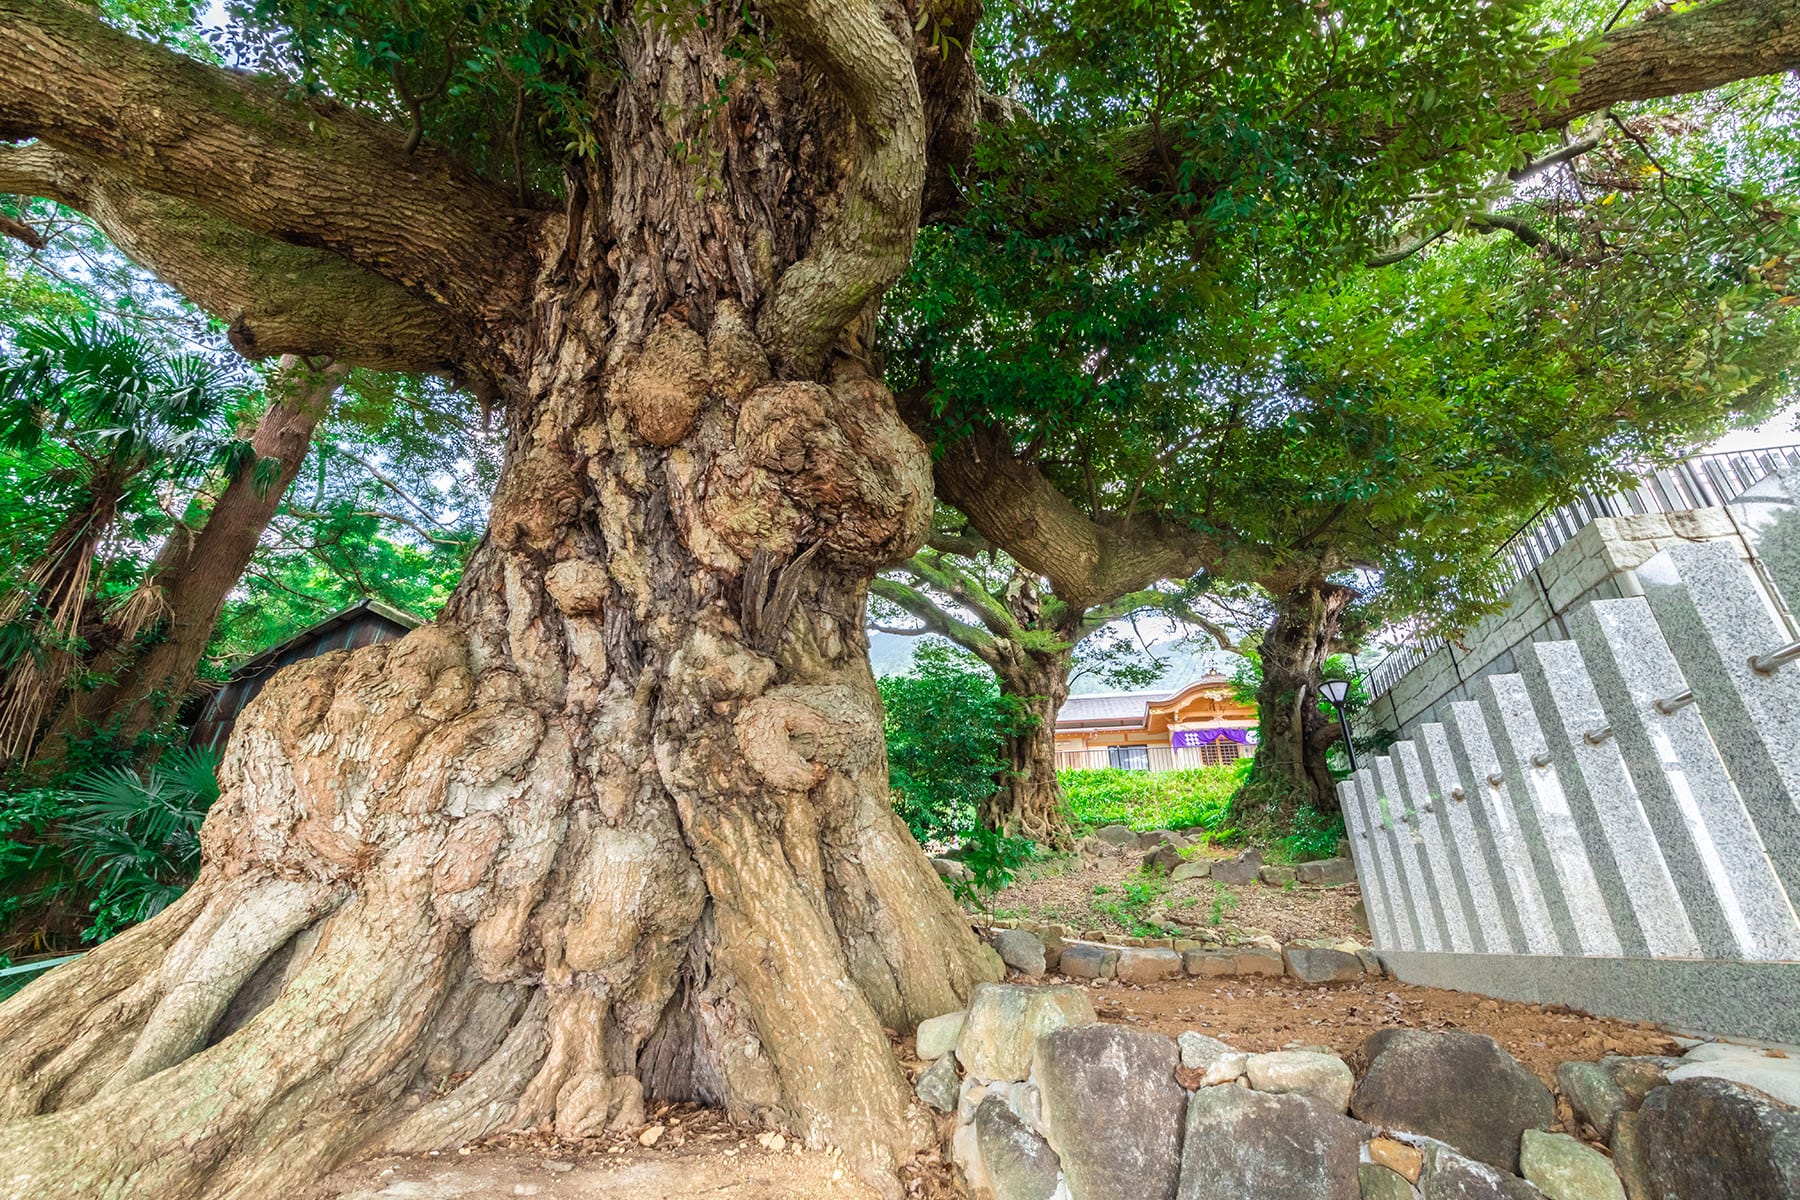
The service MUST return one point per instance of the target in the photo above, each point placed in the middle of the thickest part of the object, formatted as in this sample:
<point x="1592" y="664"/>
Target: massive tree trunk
<point x="1291" y="771"/>
<point x="1029" y="802"/>
<point x="142" y="679"/>
<point x="616" y="827"/>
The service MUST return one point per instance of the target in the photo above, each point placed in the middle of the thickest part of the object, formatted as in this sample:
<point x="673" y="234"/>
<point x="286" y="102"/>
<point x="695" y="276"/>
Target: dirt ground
<point x="697" y="1153"/>
<point x="1063" y="890"/>
<point x="1260" y="1014"/>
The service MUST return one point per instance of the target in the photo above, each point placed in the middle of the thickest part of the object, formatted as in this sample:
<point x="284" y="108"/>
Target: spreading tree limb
<point x="276" y="298"/>
<point x="238" y="148"/>
<point x="1088" y="560"/>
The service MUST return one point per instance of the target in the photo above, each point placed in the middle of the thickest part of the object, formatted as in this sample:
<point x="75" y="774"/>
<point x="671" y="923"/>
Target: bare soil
<point x="1063" y="889"/>
<point x="1264" y="1013"/>
<point x="696" y="1153"/>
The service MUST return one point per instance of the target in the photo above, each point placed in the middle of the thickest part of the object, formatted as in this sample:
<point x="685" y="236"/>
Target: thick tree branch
<point x="1671" y="53"/>
<point x="931" y="569"/>
<point x="235" y="147"/>
<point x="1666" y="54"/>
<point x="19" y="230"/>
<point x="867" y="243"/>
<point x="970" y="637"/>
<point x="276" y="298"/>
<point x="1087" y="560"/>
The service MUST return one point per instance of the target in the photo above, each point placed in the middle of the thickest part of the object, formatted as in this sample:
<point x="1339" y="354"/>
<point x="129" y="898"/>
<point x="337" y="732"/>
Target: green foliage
<point x="1224" y="903"/>
<point x="1153" y="800"/>
<point x="945" y="721"/>
<point x="134" y="838"/>
<point x="1312" y="835"/>
<point x="1131" y="910"/>
<point x="120" y="842"/>
<point x="993" y="859"/>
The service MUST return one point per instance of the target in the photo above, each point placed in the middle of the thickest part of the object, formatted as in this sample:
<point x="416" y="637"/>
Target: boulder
<point x="1638" y="1075"/>
<point x="1147" y="965"/>
<point x="1005" y="1022"/>
<point x="1242" y="869"/>
<point x="1112" y="1110"/>
<point x="1276" y="874"/>
<point x="1319" y="1077"/>
<point x="1460" y="1088"/>
<point x="1371" y="962"/>
<point x="1163" y="860"/>
<point x="1628" y="1156"/>
<point x="1327" y="871"/>
<point x="1317" y="964"/>
<point x="1190" y="868"/>
<point x="937" y="1036"/>
<point x="938" y="1085"/>
<point x="1564" y="1169"/>
<point x="1779" y="1077"/>
<point x="1199" y="1051"/>
<point x="1379" y="1183"/>
<point x="1208" y="963"/>
<point x="1593" y="1093"/>
<point x="1257" y="960"/>
<point x="1710" y="1139"/>
<point x="1450" y="1176"/>
<point x="950" y="869"/>
<point x="1161" y="837"/>
<point x="1116" y="835"/>
<point x="1406" y="1161"/>
<point x="1088" y="960"/>
<point x="1022" y="951"/>
<point x="1244" y="1145"/>
<point x="1018" y="1164"/>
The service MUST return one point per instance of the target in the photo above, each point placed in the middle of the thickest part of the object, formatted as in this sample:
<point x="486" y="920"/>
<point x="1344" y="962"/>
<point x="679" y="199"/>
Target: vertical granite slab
<point x="1368" y="871"/>
<point x="1427" y="817"/>
<point x="1494" y="808"/>
<point x="1646" y="910"/>
<point x="1495" y="924"/>
<point x="1577" y="907"/>
<point x="1769" y="515"/>
<point x="1733" y="897"/>
<point x="1406" y="847"/>
<point x="1715" y="620"/>
<point x="1407" y="928"/>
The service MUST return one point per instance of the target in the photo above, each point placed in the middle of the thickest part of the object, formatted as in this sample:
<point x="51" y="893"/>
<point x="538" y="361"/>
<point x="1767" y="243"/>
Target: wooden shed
<point x="362" y="624"/>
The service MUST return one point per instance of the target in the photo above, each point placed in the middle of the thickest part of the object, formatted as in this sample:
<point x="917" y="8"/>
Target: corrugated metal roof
<point x="367" y="605"/>
<point x="1120" y="708"/>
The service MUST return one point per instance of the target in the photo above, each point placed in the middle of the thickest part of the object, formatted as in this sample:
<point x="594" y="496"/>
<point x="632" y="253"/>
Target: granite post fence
<point x="1616" y="827"/>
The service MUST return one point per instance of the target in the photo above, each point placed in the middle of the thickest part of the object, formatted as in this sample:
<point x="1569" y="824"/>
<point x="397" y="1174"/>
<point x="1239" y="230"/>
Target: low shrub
<point x="1145" y="800"/>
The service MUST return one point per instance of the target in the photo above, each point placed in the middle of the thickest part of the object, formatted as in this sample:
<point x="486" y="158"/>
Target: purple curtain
<point x="1186" y="739"/>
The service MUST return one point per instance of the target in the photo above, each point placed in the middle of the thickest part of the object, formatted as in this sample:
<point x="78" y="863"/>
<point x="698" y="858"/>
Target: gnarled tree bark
<point x="616" y="827"/>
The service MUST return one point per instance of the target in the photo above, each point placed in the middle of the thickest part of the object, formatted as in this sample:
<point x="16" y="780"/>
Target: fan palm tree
<point x="104" y="417"/>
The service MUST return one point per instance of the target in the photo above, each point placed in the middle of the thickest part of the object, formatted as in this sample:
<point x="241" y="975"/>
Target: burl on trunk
<point x="617" y="826"/>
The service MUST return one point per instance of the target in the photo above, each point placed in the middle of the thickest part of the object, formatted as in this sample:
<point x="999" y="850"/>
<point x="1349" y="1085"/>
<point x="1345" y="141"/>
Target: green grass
<point x="1142" y="800"/>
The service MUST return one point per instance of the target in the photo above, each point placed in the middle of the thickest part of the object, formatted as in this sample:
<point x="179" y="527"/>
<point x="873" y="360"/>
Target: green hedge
<point x="1142" y="800"/>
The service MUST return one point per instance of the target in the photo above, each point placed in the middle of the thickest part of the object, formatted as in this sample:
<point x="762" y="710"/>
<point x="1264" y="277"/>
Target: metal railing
<point x="1701" y="481"/>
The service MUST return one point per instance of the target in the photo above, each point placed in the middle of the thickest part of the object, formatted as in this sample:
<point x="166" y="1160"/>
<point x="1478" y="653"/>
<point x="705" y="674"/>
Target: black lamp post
<point x="1337" y="691"/>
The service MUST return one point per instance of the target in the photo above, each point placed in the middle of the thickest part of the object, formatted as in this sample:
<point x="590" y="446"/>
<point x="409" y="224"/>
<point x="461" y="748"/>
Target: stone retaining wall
<point x="1046" y="1103"/>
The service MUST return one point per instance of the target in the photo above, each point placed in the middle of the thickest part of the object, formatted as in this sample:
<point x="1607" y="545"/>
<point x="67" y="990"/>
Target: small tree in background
<point x="947" y="728"/>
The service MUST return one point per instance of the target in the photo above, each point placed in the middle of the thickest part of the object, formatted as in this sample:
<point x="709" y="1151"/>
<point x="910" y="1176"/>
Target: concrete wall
<point x="1599" y="563"/>
<point x="1614" y="784"/>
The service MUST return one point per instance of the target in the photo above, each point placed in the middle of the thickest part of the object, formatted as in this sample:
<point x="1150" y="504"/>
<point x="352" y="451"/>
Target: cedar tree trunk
<point x="616" y="827"/>
<point x="143" y="679"/>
